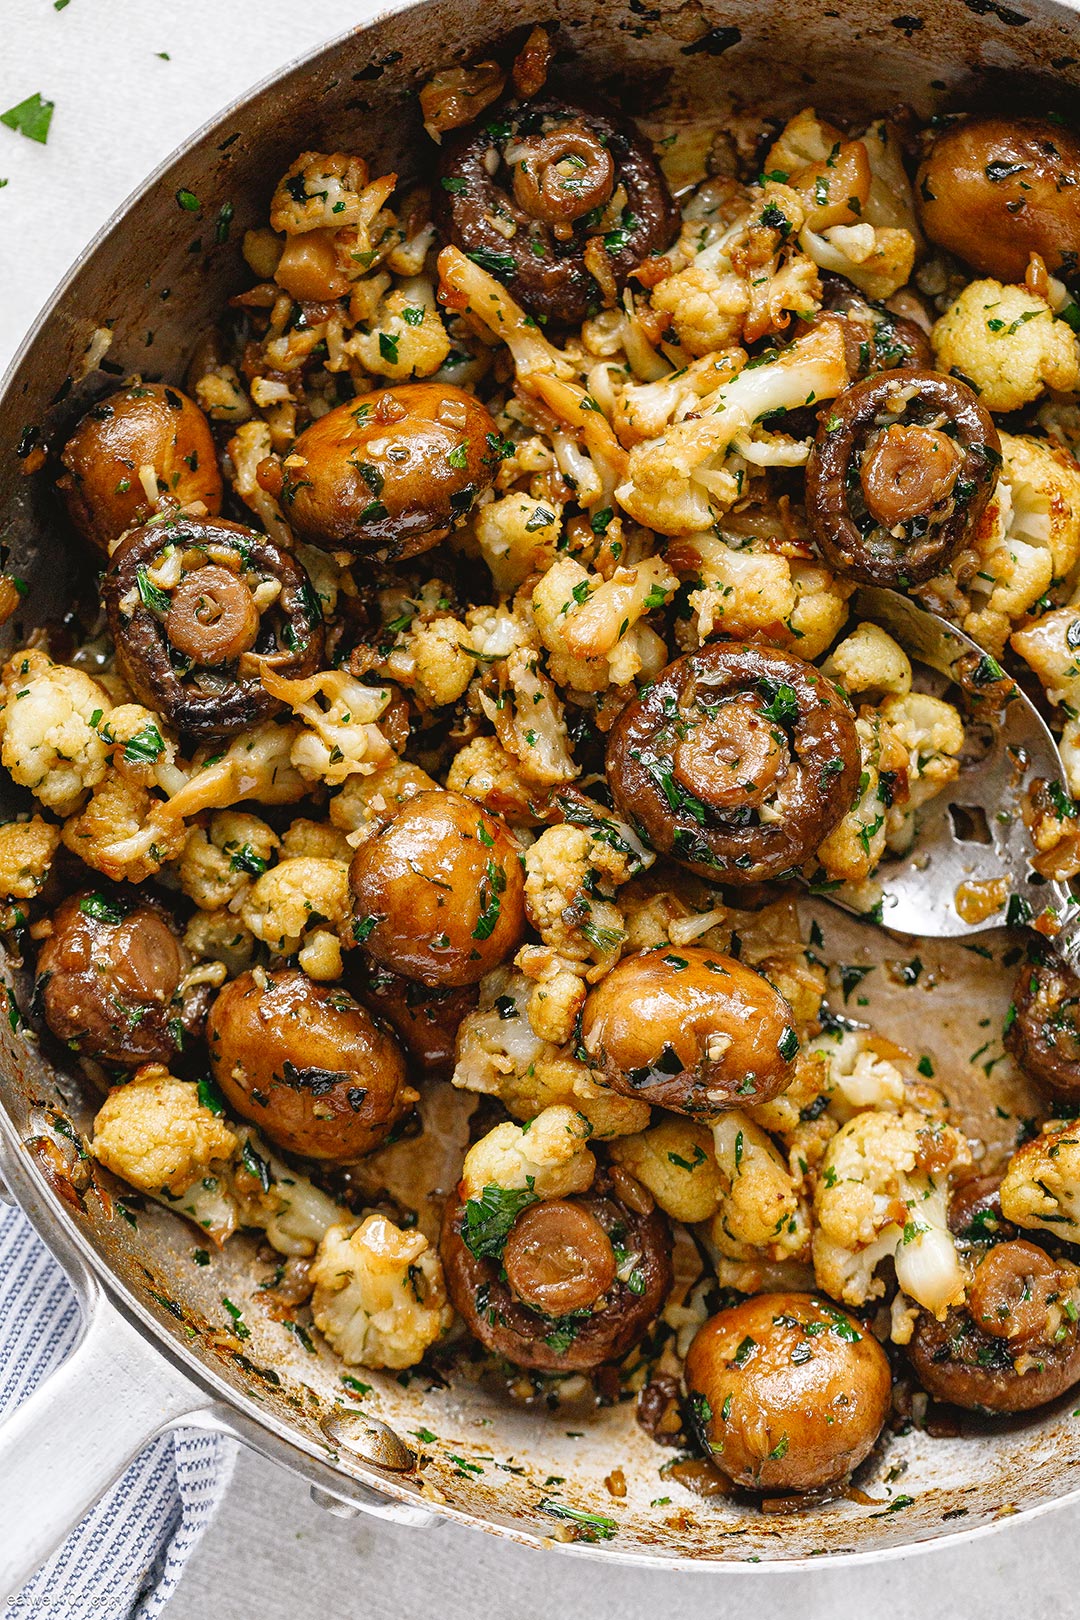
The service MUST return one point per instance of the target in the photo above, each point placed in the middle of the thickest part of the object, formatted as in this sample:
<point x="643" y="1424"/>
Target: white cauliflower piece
<point x="1006" y="341"/>
<point x="301" y="896"/>
<point x="1049" y="646"/>
<point x="220" y="936"/>
<point x="49" y="737"/>
<point x="676" y="1162"/>
<point x="761" y="1210"/>
<point x="326" y="191"/>
<point x="547" y="1157"/>
<point x="340" y="735"/>
<point x="589" y="625"/>
<point x="366" y="802"/>
<point x="884" y="1191"/>
<point x="528" y="718"/>
<point x="518" y="536"/>
<point x="706" y="307"/>
<point x="408" y="338"/>
<point x="1027" y="538"/>
<point x="155" y="1134"/>
<point x="643" y="410"/>
<point x="677" y="484"/>
<point x="380" y="1298"/>
<point x="570" y="879"/>
<point x="876" y="259"/>
<point x="484" y="771"/>
<point x="140" y="747"/>
<point x="1041" y="1187"/>
<point x="26" y="853"/>
<point x="857" y="1076"/>
<point x="219" y="862"/>
<point x="869" y="662"/>
<point x="288" y="1207"/>
<point x="856" y="845"/>
<point x="125" y="832"/>
<point x="932" y="734"/>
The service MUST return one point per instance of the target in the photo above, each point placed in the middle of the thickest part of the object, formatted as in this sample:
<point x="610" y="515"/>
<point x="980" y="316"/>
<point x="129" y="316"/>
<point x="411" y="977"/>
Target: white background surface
<point x="271" y="1553"/>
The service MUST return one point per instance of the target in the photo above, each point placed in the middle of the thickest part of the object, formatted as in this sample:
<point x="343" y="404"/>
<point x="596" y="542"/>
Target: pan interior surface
<point x="153" y="282"/>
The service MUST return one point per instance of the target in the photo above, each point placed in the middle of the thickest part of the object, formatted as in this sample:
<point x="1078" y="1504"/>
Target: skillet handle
<point x="66" y="1443"/>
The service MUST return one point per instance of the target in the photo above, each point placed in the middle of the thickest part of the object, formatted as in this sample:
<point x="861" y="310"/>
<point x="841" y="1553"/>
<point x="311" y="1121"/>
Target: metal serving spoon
<point x="973" y="835"/>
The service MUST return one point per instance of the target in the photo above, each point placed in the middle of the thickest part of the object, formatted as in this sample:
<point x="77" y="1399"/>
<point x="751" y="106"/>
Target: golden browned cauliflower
<point x="218" y="862"/>
<point x="1007" y="342"/>
<point x="408" y="338"/>
<point x="380" y="1299"/>
<point x="518" y="536"/>
<point x="571" y="877"/>
<point x="26" y="852"/>
<point x="884" y="1191"/>
<point x="762" y="1213"/>
<point x="155" y="1134"/>
<point x="124" y="831"/>
<point x="590" y="625"/>
<point x="675" y="1160"/>
<point x="1041" y="1187"/>
<point x="49" y="737"/>
<point x="547" y="1156"/>
<point x="302" y="905"/>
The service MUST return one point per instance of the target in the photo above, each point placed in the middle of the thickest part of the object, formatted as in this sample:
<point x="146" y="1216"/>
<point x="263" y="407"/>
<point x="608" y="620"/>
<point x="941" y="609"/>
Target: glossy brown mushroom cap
<point x="787" y="1391"/>
<point x="149" y="425"/>
<point x="690" y="1030"/>
<point x="391" y="473"/>
<point x="1044" y="1036"/>
<point x="109" y="981"/>
<point x="996" y="190"/>
<point x="439" y="891"/>
<point x="306" y="1064"/>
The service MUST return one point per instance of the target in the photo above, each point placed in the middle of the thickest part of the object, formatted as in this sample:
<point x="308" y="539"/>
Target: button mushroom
<point x="572" y="1283"/>
<point x="738" y="762"/>
<point x="903" y="464"/>
<point x="424" y="1017"/>
<point x="198" y="610"/>
<point x="110" y="981"/>
<point x="1016" y="1343"/>
<point x="787" y="1392"/>
<point x="439" y="891"/>
<point x="689" y="1030"/>
<point x="306" y="1064"/>
<point x="560" y="202"/>
<point x="390" y="474"/>
<point x="147" y="435"/>
<point x="1044" y="1035"/>
<point x="996" y="190"/>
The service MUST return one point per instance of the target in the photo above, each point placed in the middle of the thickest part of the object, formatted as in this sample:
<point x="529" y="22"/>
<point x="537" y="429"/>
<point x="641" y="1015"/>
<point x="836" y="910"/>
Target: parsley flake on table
<point x="31" y="118"/>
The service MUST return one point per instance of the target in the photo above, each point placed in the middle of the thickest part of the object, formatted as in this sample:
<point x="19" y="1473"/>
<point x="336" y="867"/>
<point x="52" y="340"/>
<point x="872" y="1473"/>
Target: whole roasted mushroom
<point x="903" y="464"/>
<point x="737" y="762"/>
<point x="389" y="474"/>
<point x="306" y="1064"/>
<point x="570" y="1284"/>
<point x="146" y="434"/>
<point x="110" y="981"/>
<point x="198" y="609"/>
<point x="424" y="1017"/>
<point x="1044" y="1034"/>
<point x="787" y="1391"/>
<point x="1015" y="1344"/>
<point x="558" y="201"/>
<point x="996" y="190"/>
<point x="690" y="1030"/>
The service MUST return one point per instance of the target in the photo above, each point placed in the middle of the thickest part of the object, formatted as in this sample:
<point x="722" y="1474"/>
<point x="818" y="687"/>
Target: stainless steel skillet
<point x="156" y="1349"/>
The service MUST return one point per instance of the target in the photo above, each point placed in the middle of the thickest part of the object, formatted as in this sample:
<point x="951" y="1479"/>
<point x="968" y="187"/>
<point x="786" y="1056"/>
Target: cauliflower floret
<point x="518" y="536"/>
<point x="869" y="662"/>
<point x="140" y="748"/>
<point x="322" y="190"/>
<point x="878" y="259"/>
<point x="856" y="845"/>
<point x="675" y="1161"/>
<point x="251" y="444"/>
<point x="570" y="879"/>
<point x="341" y="738"/>
<point x="932" y="734"/>
<point x="1007" y="342"/>
<point x="706" y="308"/>
<point x="432" y="658"/>
<point x="760" y="1205"/>
<point x="1041" y="1187"/>
<point x="366" y="802"/>
<point x="290" y="1209"/>
<point x="49" y="738"/>
<point x="1047" y="645"/>
<point x="547" y="1157"/>
<point x="820" y="608"/>
<point x="26" y="852"/>
<point x="408" y="338"/>
<point x="155" y="1134"/>
<point x="558" y="992"/>
<point x="884" y="1191"/>
<point x="745" y="586"/>
<point x="125" y="832"/>
<point x="218" y="863"/>
<point x="380" y="1298"/>
<point x="677" y="483"/>
<point x="1028" y="537"/>
<point x="220" y="936"/>
<point x="589" y="625"/>
<point x="500" y="1054"/>
<point x="289" y="907"/>
<point x="857" y="1076"/>
<point x="528" y="718"/>
<point x="484" y="771"/>
<point x="643" y="410"/>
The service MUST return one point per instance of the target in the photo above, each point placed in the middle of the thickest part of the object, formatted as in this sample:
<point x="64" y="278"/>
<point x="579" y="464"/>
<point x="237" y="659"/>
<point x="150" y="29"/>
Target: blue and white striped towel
<point x="126" y="1556"/>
